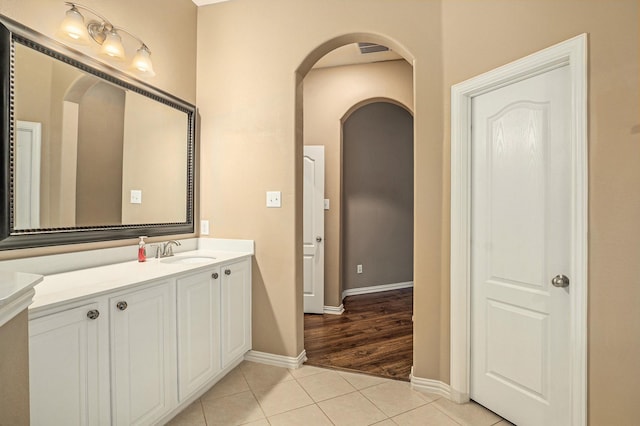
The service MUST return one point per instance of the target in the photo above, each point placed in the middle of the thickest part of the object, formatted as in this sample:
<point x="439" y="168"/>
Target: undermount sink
<point x="188" y="260"/>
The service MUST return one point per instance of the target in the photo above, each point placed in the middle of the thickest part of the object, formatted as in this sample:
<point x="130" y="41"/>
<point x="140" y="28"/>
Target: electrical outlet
<point x="359" y="269"/>
<point x="274" y="199"/>
<point x="204" y="227"/>
<point x="136" y="196"/>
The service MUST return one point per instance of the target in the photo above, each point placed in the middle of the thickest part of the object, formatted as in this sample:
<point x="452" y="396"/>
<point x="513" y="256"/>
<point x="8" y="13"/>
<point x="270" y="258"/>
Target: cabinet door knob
<point x="93" y="314"/>
<point x="121" y="306"/>
<point x="227" y="271"/>
<point x="214" y="275"/>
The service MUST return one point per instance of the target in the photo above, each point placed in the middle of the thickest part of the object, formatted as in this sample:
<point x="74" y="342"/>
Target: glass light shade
<point x="142" y="62"/>
<point x="73" y="26"/>
<point x="112" y="45"/>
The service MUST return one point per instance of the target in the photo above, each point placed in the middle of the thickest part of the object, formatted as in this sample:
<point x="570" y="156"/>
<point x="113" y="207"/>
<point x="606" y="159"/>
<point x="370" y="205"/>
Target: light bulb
<point x="112" y="45"/>
<point x="73" y="25"/>
<point x="142" y="61"/>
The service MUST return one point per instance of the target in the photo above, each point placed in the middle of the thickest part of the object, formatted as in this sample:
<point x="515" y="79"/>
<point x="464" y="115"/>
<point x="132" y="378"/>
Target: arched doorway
<point x="347" y="86"/>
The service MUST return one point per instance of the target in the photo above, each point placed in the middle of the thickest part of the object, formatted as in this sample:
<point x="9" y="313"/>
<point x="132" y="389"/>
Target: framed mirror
<point x="88" y="152"/>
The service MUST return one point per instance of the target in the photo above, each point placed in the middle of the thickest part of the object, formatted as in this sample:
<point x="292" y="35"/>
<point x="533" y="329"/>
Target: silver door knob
<point x="93" y="314"/>
<point x="560" y="281"/>
<point x="214" y="275"/>
<point x="227" y="271"/>
<point x="319" y="239"/>
<point x="121" y="306"/>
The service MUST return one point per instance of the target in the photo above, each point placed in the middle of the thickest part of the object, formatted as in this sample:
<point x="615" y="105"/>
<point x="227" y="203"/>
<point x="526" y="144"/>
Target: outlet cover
<point x="359" y="269"/>
<point x="274" y="199"/>
<point x="204" y="227"/>
<point x="136" y="196"/>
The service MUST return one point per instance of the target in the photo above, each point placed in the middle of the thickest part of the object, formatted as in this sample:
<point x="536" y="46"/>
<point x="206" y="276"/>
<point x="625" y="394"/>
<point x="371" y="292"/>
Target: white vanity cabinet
<point x="236" y="310"/>
<point x="136" y="354"/>
<point x="69" y="367"/>
<point x="143" y="353"/>
<point x="198" y="330"/>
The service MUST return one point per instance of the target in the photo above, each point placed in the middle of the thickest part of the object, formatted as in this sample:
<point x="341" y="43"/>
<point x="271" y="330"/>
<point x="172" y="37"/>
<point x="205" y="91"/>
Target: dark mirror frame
<point x="12" y="32"/>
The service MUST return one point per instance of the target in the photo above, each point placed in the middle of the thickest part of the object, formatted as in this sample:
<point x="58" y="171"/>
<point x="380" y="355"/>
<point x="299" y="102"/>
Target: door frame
<point x="571" y="53"/>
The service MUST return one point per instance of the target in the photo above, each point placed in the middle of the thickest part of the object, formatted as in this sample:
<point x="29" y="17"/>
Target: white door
<point x="66" y="369"/>
<point x="143" y="354"/>
<point x="235" y="309"/>
<point x="198" y="330"/>
<point x="313" y="229"/>
<point x="27" y="176"/>
<point x="521" y="240"/>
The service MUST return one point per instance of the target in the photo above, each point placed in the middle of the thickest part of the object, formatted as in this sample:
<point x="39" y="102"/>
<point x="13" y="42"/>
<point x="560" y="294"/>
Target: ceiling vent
<point x="371" y="48"/>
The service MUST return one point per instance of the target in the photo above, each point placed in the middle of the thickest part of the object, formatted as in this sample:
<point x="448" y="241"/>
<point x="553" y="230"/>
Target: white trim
<point x="276" y="360"/>
<point x="376" y="288"/>
<point x="334" y="310"/>
<point x="430" y="386"/>
<point x="572" y="53"/>
<point x="13" y="308"/>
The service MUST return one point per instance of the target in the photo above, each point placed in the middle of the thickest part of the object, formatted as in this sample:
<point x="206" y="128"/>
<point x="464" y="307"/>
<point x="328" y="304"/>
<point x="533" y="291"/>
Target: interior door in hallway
<point x="313" y="229"/>
<point x="521" y="249"/>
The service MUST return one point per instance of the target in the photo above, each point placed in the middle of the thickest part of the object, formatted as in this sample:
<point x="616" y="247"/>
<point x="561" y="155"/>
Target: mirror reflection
<point x="90" y="153"/>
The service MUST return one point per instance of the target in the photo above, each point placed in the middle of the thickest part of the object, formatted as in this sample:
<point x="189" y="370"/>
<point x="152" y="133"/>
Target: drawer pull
<point x="214" y="275"/>
<point x="121" y="306"/>
<point x="227" y="271"/>
<point x="93" y="314"/>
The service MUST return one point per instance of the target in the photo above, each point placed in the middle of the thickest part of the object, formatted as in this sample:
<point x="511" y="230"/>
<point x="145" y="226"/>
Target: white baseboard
<point x="276" y="360"/>
<point x="334" y="310"/>
<point x="430" y="386"/>
<point x="376" y="288"/>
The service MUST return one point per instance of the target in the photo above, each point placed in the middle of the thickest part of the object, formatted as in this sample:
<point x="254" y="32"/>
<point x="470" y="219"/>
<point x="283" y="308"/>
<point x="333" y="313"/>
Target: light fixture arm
<point x="135" y="37"/>
<point x="78" y="5"/>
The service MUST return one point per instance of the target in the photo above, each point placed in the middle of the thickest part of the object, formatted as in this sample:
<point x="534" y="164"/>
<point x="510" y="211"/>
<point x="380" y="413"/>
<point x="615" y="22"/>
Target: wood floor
<point x="374" y="335"/>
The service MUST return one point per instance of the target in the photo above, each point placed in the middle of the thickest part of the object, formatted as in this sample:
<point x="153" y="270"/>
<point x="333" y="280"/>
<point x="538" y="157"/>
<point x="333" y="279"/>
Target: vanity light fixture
<point x="107" y="35"/>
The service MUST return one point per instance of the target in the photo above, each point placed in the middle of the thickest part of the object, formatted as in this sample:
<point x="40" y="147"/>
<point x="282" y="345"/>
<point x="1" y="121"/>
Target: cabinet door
<point x="198" y="330"/>
<point x="143" y="339"/>
<point x="68" y="367"/>
<point x="236" y="310"/>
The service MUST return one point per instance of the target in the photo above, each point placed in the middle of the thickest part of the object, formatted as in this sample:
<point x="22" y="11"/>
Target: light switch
<point x="326" y="204"/>
<point x="136" y="196"/>
<point x="274" y="199"/>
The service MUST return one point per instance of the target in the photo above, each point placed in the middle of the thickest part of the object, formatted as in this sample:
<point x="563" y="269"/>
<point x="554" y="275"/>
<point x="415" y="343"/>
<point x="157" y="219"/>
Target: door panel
<point x="520" y="240"/>
<point x="313" y="228"/>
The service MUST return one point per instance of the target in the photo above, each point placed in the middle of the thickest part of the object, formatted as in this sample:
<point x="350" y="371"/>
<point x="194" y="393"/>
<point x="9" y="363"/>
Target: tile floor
<point x="258" y="394"/>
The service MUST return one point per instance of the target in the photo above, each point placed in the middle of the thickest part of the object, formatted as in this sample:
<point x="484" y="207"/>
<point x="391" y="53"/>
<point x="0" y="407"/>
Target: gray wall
<point x="378" y="196"/>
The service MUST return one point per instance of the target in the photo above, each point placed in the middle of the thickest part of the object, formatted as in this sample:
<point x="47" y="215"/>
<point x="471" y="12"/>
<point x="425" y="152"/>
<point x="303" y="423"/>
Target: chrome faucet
<point x="166" y="249"/>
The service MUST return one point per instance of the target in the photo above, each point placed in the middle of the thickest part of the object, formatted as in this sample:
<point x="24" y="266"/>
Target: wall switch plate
<point x="204" y="227"/>
<point x="136" y="196"/>
<point x="359" y="269"/>
<point x="274" y="199"/>
<point x="326" y="204"/>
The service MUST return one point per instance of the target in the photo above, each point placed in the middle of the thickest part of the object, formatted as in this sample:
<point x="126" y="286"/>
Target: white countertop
<point x="16" y="290"/>
<point x="63" y="288"/>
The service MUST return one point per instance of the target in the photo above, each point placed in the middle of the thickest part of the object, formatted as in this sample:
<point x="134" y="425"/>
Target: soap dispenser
<point x="142" y="250"/>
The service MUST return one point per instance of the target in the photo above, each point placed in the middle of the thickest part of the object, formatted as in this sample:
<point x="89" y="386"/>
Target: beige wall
<point x="248" y="55"/>
<point x="247" y="99"/>
<point x="99" y="158"/>
<point x="154" y="161"/>
<point x="479" y="36"/>
<point x="14" y="371"/>
<point x="167" y="26"/>
<point x="329" y="96"/>
<point x="377" y="218"/>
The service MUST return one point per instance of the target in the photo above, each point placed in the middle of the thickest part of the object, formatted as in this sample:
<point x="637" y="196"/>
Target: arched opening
<point x="347" y="88"/>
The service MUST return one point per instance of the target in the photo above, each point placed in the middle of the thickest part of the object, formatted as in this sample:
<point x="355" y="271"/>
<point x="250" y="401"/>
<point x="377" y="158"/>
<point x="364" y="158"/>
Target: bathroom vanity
<point x="135" y="343"/>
